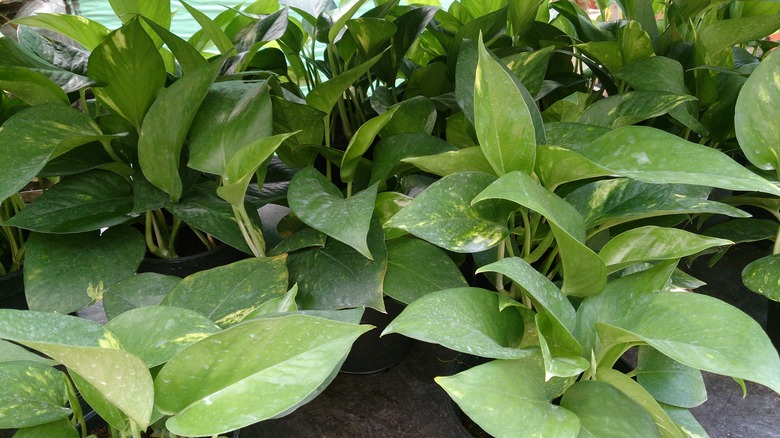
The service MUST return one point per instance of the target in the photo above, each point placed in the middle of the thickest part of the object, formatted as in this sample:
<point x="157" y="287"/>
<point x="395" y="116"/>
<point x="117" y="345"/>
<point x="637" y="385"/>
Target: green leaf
<point x="389" y="152"/>
<point x="32" y="137"/>
<point x="629" y="387"/>
<point x="66" y="272"/>
<point x="584" y="272"/>
<point x="557" y="165"/>
<point x="530" y="67"/>
<point x="86" y="32"/>
<point x="562" y="354"/>
<point x="33" y="394"/>
<point x="10" y="352"/>
<point x="210" y="28"/>
<point x="129" y="63"/>
<point x="757" y="109"/>
<point x="157" y="333"/>
<point x="654" y="243"/>
<point x="54" y="329"/>
<point x="287" y="360"/>
<point x="188" y="56"/>
<point x="61" y="428"/>
<point x="165" y="128"/>
<point x="762" y="276"/>
<point x="233" y="115"/>
<point x="631" y="108"/>
<point x="85" y="202"/>
<point x="689" y="328"/>
<point x="139" y="290"/>
<point x="507" y="406"/>
<point x="226" y="294"/>
<point x="503" y="121"/>
<point x="443" y="214"/>
<point x="654" y="156"/>
<point x="336" y="276"/>
<point x="32" y="87"/>
<point x="243" y="166"/>
<point x="416" y="268"/>
<point x="345" y="13"/>
<point x="721" y="35"/>
<point x="604" y="411"/>
<point x="324" y="96"/>
<point x="468" y="320"/>
<point x="669" y="381"/>
<point x="471" y="159"/>
<point x="635" y="43"/>
<point x="685" y="421"/>
<point x="361" y="141"/>
<point x="371" y="34"/>
<point x="415" y="115"/>
<point x="159" y="12"/>
<point x="320" y="205"/>
<point x="12" y="55"/>
<point x="574" y="136"/>
<point x="611" y="202"/>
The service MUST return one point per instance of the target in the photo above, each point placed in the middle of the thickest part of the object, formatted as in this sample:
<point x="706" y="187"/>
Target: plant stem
<point x="252" y="235"/>
<point x="776" y="248"/>
<point x="526" y="235"/>
<point x="148" y="234"/>
<point x="83" y="100"/>
<point x="500" y="276"/>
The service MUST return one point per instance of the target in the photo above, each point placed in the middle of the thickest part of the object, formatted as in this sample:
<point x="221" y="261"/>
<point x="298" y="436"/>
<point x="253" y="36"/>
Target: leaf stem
<point x="500" y="276"/>
<point x="776" y="248"/>
<point x="252" y="235"/>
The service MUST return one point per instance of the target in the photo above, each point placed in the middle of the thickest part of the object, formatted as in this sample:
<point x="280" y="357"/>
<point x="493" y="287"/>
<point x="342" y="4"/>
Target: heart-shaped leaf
<point x="443" y="214"/>
<point x="320" y="205"/>
<point x="669" y="381"/>
<point x="389" y="152"/>
<point x="287" y="360"/>
<point x="361" y="141"/>
<point x="762" y="276"/>
<point x="139" y="290"/>
<point x="468" y="320"/>
<point x="66" y="272"/>
<point x="503" y="405"/>
<point x="226" y="294"/>
<point x="632" y="107"/>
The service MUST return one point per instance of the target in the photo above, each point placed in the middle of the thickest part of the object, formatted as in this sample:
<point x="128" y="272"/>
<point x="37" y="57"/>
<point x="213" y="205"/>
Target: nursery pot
<point x="372" y="354"/>
<point x="184" y="266"/>
<point x="773" y="322"/>
<point x="12" y="291"/>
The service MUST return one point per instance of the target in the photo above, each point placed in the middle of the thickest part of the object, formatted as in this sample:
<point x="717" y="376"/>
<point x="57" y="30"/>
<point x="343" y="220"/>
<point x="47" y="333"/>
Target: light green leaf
<point x="762" y="276"/>
<point x="469" y="320"/>
<point x="361" y="141"/>
<point x="654" y="243"/>
<point x="443" y="214"/>
<point x="129" y="63"/>
<point x="139" y="290"/>
<point x="165" y="128"/>
<point x="471" y="159"/>
<point x="10" y="352"/>
<point x="561" y="352"/>
<point x="686" y="421"/>
<point x="233" y="115"/>
<point x="61" y="428"/>
<point x="88" y="33"/>
<point x="66" y="272"/>
<point x="556" y="165"/>
<point x="669" y="381"/>
<point x="32" y="87"/>
<point x="320" y="205"/>
<point x="156" y="333"/>
<point x="757" y="109"/>
<point x="604" y="411"/>
<point x="287" y="361"/>
<point x="505" y="406"/>
<point x="33" y="394"/>
<point x="504" y="124"/>
<point x="343" y="14"/>
<point x="226" y="294"/>
<point x="53" y="328"/>
<point x="654" y="156"/>
<point x="159" y="11"/>
<point x="210" y="28"/>
<point x="416" y="268"/>
<point x="336" y="276"/>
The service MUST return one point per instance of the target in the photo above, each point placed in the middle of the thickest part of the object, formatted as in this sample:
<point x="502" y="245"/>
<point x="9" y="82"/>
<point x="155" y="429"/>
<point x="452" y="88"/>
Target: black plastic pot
<point x="12" y="291"/>
<point x="184" y="266"/>
<point x="372" y="354"/>
<point x="773" y="322"/>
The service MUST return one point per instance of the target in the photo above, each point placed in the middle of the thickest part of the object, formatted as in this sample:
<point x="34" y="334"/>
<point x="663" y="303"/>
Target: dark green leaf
<point x="33" y="394"/>
<point x="61" y="428"/>
<point x="320" y="205"/>
<point x="212" y="30"/>
<point x="336" y="276"/>
<point x="371" y="34"/>
<point x="669" y="381"/>
<point x="66" y="272"/>
<point x="86" y="202"/>
<point x="416" y="268"/>
<point x="12" y="55"/>
<point x="324" y="96"/>
<point x="165" y="128"/>
<point x="189" y="58"/>
<point x="415" y="115"/>
<point x="32" y="87"/>
<point x="389" y="152"/>
<point x="631" y="108"/>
